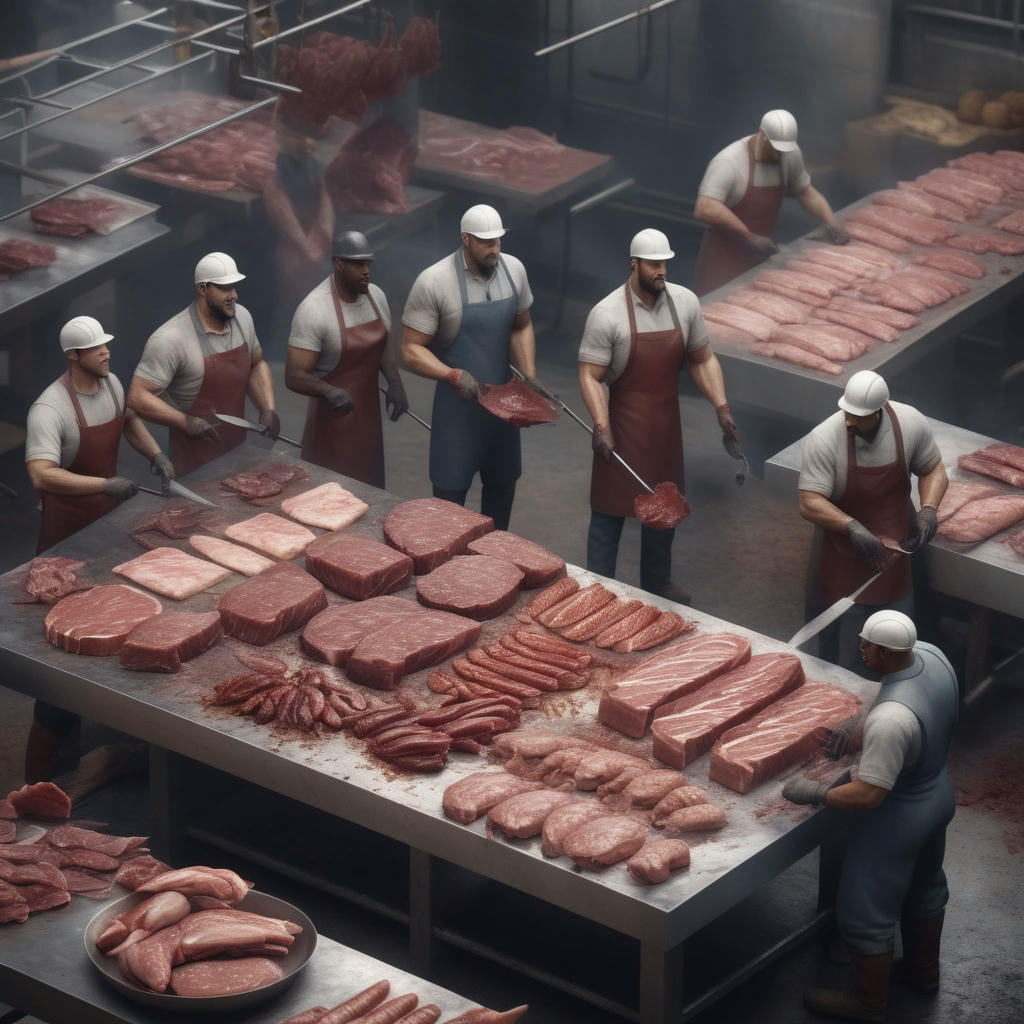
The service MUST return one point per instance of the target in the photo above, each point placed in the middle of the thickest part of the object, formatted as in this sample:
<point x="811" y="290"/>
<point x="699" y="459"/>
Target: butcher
<point x="855" y="484"/>
<point x="203" y="361"/>
<point x="740" y="196"/>
<point x="466" y="319"/>
<point x="337" y="350"/>
<point x="635" y="343"/>
<point x="72" y="438"/>
<point x="902" y="801"/>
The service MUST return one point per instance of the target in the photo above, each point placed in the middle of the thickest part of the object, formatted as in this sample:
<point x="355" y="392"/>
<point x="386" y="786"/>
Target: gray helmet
<point x="352" y="245"/>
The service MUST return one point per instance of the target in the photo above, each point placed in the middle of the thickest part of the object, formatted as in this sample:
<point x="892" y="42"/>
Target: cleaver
<point x="829" y="615"/>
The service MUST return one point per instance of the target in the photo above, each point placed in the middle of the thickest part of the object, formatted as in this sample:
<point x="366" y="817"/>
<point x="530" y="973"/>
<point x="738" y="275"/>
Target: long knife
<point x="174" y="489"/>
<point x="829" y="615"/>
<point x="237" y="421"/>
<point x="408" y="412"/>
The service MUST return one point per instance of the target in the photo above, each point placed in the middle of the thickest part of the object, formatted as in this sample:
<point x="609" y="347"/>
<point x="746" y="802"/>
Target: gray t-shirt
<point x="52" y="429"/>
<point x="892" y="740"/>
<point x="606" y="338"/>
<point x="434" y="306"/>
<point x="173" y="357"/>
<point x="823" y="465"/>
<point x="315" y="324"/>
<point x="728" y="174"/>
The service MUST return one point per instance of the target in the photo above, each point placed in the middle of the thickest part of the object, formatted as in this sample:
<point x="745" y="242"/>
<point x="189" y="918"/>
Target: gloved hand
<point x="839" y="739"/>
<point x="728" y="424"/>
<point x="120" y="487"/>
<point x="924" y="529"/>
<point x="196" y="426"/>
<point x="867" y="545"/>
<point x="802" y="790"/>
<point x="764" y="247"/>
<point x="837" y="234"/>
<point x="271" y="424"/>
<point x="603" y="442"/>
<point x="465" y="385"/>
<point x="535" y="385"/>
<point x="339" y="400"/>
<point x="395" y="400"/>
<point x="162" y="467"/>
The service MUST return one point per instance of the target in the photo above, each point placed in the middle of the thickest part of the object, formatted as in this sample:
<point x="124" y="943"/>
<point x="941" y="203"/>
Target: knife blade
<point x="829" y="615"/>
<point x="180" y="491"/>
<point x="237" y="421"/>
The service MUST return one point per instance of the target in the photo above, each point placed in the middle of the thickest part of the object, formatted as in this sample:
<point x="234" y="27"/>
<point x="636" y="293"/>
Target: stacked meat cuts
<point x="73" y="218"/>
<point x="19" y="254"/>
<point x="263" y="482"/>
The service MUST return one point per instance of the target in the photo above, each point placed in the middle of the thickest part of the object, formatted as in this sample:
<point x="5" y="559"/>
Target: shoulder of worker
<point x="830" y="432"/>
<point x="683" y="299"/>
<point x="891" y="732"/>
<point x="722" y="169"/>
<point x="930" y="654"/>
<point x="116" y="387"/>
<point x="515" y="265"/>
<point x="171" y="332"/>
<point x="909" y="416"/>
<point x="819" y="453"/>
<point x="54" y="396"/>
<point x="434" y="280"/>
<point x="314" y="303"/>
<point x="918" y="438"/>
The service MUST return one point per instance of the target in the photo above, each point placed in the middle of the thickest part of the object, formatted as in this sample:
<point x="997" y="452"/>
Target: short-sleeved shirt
<point x="173" y="357"/>
<point x="315" y="324"/>
<point x="728" y="174"/>
<point x="823" y="467"/>
<point x="434" y="305"/>
<point x="606" y="338"/>
<point x="892" y="741"/>
<point x="52" y="429"/>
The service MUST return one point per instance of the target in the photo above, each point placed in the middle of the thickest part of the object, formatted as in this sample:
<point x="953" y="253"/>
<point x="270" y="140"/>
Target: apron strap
<point x="79" y="415"/>
<point x="460" y="276"/>
<point x="851" y="446"/>
<point x="337" y="310"/>
<point x="632" y="313"/>
<point x="202" y="335"/>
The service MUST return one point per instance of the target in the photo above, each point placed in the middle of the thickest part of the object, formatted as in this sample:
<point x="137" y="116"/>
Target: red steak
<point x="478" y="586"/>
<point x="356" y="566"/>
<point x="517" y="404"/>
<point x="539" y="566"/>
<point x="162" y="643"/>
<point x="280" y="599"/>
<point x="430" y="531"/>
<point x="98" y="621"/>
<point x="334" y="633"/>
<point x="224" y="977"/>
<point x="576" y="606"/>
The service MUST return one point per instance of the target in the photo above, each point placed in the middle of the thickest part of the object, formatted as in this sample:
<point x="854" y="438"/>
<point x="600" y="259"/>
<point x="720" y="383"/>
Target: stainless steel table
<point x="334" y="774"/>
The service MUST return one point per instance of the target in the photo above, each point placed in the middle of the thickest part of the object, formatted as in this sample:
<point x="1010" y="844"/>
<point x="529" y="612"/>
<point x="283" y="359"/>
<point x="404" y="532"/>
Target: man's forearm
<point x="817" y="509"/>
<point x="595" y="398"/>
<point x="522" y="350"/>
<point x="261" y="386"/>
<point x="51" y="479"/>
<point x="154" y="409"/>
<point x="816" y="204"/>
<point x="932" y="486"/>
<point x="707" y="375"/>
<point x="716" y="214"/>
<point x="139" y="437"/>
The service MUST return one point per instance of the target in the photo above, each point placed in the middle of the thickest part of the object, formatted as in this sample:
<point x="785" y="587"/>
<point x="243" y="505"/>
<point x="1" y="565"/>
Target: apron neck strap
<point x="73" y="395"/>
<point x="460" y="275"/>
<point x="632" y="312"/>
<point x="851" y="440"/>
<point x="201" y="332"/>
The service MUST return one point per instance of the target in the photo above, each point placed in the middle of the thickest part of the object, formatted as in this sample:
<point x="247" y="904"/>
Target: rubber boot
<point x="867" y="997"/>
<point x="919" y="967"/>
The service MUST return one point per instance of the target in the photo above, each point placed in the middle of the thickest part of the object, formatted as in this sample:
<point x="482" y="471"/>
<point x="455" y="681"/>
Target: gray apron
<point x="893" y="864"/>
<point x="465" y="438"/>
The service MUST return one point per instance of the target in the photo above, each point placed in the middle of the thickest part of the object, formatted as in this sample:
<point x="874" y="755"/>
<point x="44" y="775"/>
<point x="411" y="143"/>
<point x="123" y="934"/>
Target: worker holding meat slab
<point x="466" y="319"/>
<point x="740" y="196"/>
<point x="855" y="483"/>
<point x="902" y="801"/>
<point x="203" y="361"/>
<point x="337" y="349"/>
<point x="635" y="343"/>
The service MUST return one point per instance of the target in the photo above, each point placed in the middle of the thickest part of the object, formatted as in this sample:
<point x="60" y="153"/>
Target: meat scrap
<point x="517" y="404"/>
<point x="51" y="578"/>
<point x="17" y="254"/>
<point x="231" y="556"/>
<point x="664" y="509"/>
<point x="176" y="519"/>
<point x="657" y="859"/>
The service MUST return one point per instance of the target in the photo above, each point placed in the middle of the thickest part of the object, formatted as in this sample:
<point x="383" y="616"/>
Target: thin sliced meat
<point x="588" y="628"/>
<point x="328" y="506"/>
<point x="755" y="324"/>
<point x="627" y="627"/>
<point x="978" y="462"/>
<point x="775" y="307"/>
<point x="1005" y="245"/>
<point x="800" y="356"/>
<point x="875" y="328"/>
<point x="272" y="533"/>
<point x="953" y="263"/>
<point x="172" y="573"/>
<point x="960" y="210"/>
<point x="517" y="404"/>
<point x="888" y="295"/>
<point x="658" y="859"/>
<point x="575" y="607"/>
<point x="919" y="289"/>
<point x="874" y="311"/>
<point x="666" y="626"/>
<point x="231" y="556"/>
<point x="949" y="183"/>
<point x="822" y="340"/>
<point x="940" y="278"/>
<point x="1009" y="454"/>
<point x="801" y="282"/>
<point x="538" y="680"/>
<point x="870" y="253"/>
<point x="552" y="595"/>
<point x="831" y="275"/>
<point x="983" y="518"/>
<point x="873" y="236"/>
<point x="563" y="677"/>
<point x="991" y="168"/>
<point x="910" y="226"/>
<point x="829" y="256"/>
<point x="911" y="202"/>
<point x="43" y="799"/>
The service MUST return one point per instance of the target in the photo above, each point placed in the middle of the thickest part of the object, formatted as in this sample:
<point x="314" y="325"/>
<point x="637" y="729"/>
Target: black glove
<point x="339" y="400"/>
<point x="764" y="247"/>
<point x="271" y="424"/>
<point x="867" y="545"/>
<point x="120" y="487"/>
<point x="837" y="234"/>
<point x="728" y="425"/>
<point x="466" y="386"/>
<point x="924" y="529"/>
<point x="196" y="426"/>
<point x="535" y="385"/>
<point x="802" y="790"/>
<point x="395" y="400"/>
<point x="603" y="442"/>
<point x="839" y="738"/>
<point x="163" y="468"/>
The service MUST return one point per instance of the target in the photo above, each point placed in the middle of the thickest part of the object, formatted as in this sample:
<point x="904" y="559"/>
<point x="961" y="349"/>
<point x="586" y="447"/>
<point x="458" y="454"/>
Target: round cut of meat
<point x="162" y="643"/>
<point x="334" y="633"/>
<point x="478" y="586"/>
<point x="357" y="567"/>
<point x="665" y="509"/>
<point x="657" y="860"/>
<point x="517" y="404"/>
<point x="539" y="566"/>
<point x="431" y="530"/>
<point x="522" y="816"/>
<point x="98" y="621"/>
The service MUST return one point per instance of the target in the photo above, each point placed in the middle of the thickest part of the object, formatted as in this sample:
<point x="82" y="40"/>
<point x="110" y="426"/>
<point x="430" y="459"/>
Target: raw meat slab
<point x="469" y="798"/>
<point x="334" y="633"/>
<point x="273" y="534"/>
<point x="603" y="841"/>
<point x="657" y="859"/>
<point x="328" y="506"/>
<point x="982" y="518"/>
<point x="231" y="556"/>
<point x="478" y="586"/>
<point x="430" y="531"/>
<point x="539" y="566"/>
<point x="98" y="621"/>
<point x="517" y="404"/>
<point x="357" y="567"/>
<point x="50" y="578"/>
<point x="205" y="978"/>
<point x="162" y="643"/>
<point x="958" y="493"/>
<point x="522" y="816"/>
<point x="279" y="600"/>
<point x="173" y="573"/>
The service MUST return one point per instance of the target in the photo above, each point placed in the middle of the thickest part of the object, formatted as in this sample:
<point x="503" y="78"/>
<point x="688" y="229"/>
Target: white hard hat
<point x="83" y="332"/>
<point x="866" y="392"/>
<point x="650" y="244"/>
<point x="482" y="221"/>
<point x="780" y="127"/>
<point x="217" y="268"/>
<point x="890" y="629"/>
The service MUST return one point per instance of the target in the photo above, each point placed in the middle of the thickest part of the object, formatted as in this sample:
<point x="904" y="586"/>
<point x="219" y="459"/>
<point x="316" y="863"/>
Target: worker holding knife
<point x="203" y="361"/>
<point x="337" y="348"/>
<point x="855" y="483"/>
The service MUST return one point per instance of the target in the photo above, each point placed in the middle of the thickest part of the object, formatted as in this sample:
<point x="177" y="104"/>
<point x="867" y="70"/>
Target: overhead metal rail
<point x="641" y="12"/>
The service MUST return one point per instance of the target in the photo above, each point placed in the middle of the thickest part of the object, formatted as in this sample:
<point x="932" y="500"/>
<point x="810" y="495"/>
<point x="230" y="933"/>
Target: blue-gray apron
<point x="892" y="867"/>
<point x="465" y="438"/>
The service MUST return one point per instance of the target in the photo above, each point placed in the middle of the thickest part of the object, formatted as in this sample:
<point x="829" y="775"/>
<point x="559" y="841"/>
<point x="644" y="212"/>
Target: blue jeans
<point x="655" y="550"/>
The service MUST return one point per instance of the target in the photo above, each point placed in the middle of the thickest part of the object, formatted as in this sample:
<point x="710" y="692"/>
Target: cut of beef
<point x="74" y="217"/>
<point x="756" y="324"/>
<point x="831" y="274"/>
<point x="205" y="978"/>
<point x="784" y="734"/>
<point x="17" y="254"/>
<point x="478" y="586"/>
<point x="251" y="486"/>
<point x="799" y="356"/>
<point x="176" y="519"/>
<point x="602" y="841"/>
<point x="334" y="634"/>
<point x="231" y="556"/>
<point x="139" y="870"/>
<point x="162" y="643"/>
<point x="885" y="294"/>
<point x="959" y="493"/>
<point x="1008" y="454"/>
<point x="664" y="509"/>
<point x="51" y="578"/>
<point x="775" y="307"/>
<point x="818" y="338"/>
<point x="357" y="567"/>
<point x="576" y="606"/>
<point x="922" y="230"/>
<point x="172" y="573"/>
<point x="98" y="621"/>
<point x="522" y="816"/>
<point x="279" y="600"/>
<point x="955" y="182"/>
<point x="873" y="236"/>
<point x="874" y="328"/>
<point x="469" y="798"/>
<point x="516" y="404"/>
<point x="663" y="628"/>
<point x="631" y="625"/>
<point x="647" y="788"/>
<point x="657" y="860"/>
<point x="1005" y="245"/>
<point x="552" y="595"/>
<point x="588" y="628"/>
<point x="382" y="657"/>
<point x="273" y="534"/>
<point x="982" y="518"/>
<point x="985" y="465"/>
<point x="430" y="531"/>
<point x="953" y="262"/>
<point x="565" y="819"/>
<point x="43" y="799"/>
<point x="628" y="705"/>
<point x="794" y="280"/>
<point x="535" y="743"/>
<point x="874" y="311"/>
<point x="674" y="799"/>
<point x="328" y="506"/>
<point x="684" y="729"/>
<point x="539" y="566"/>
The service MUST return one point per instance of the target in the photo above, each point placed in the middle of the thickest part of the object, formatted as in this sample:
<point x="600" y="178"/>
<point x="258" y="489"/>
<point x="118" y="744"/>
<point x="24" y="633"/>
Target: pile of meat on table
<point x="73" y="217"/>
<point x="18" y="254"/>
<point x="910" y="251"/>
<point x="51" y="577"/>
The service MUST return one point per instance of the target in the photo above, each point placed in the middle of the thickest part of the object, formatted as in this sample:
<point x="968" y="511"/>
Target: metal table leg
<point x="421" y="911"/>
<point x="661" y="984"/>
<point x="166" y="792"/>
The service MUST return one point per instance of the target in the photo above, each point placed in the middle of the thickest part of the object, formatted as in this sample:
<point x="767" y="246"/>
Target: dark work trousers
<point x="655" y="550"/>
<point x="495" y="502"/>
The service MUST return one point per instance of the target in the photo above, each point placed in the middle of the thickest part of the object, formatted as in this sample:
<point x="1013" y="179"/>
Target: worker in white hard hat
<point x="205" y="360"/>
<point x="855" y="484"/>
<point x="740" y="196"/>
<point x="635" y="344"/>
<point x="466" y="319"/>
<point x="72" y="438"/>
<point x="892" y="865"/>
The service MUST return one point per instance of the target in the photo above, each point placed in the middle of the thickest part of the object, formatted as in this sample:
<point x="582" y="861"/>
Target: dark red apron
<point x="879" y="498"/>
<point x="724" y="255"/>
<point x="351" y="444"/>
<point x="225" y="383"/>
<point x="65" y="514"/>
<point x="643" y="411"/>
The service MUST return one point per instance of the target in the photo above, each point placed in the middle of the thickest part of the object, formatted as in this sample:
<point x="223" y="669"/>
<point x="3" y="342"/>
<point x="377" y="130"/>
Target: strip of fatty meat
<point x="875" y="312"/>
<point x="787" y="291"/>
<point x="958" y="493"/>
<point x="981" y="462"/>
<point x="983" y="518"/>
<point x="800" y="356"/>
<point x="857" y="264"/>
<point x="818" y="338"/>
<point x="886" y="295"/>
<point x="576" y="606"/>
<point x="658" y="859"/>
<point x="911" y="202"/>
<point x="1013" y="222"/>
<point x="918" y="289"/>
<point x="754" y="323"/>
<point x="627" y="627"/>
<point x="862" y="232"/>
<point x="358" y="1005"/>
<point x="830" y="275"/>
<point x="940" y="278"/>
<point x="775" y="307"/>
<point x="980" y="184"/>
<point x="550" y="596"/>
<point x="1009" y="454"/>
<point x="959" y="210"/>
<point x="802" y="282"/>
<point x="588" y="628"/>
<point x="875" y="328"/>
<point x="910" y="226"/>
<point x="1003" y="244"/>
<point x="991" y="168"/>
<point x="953" y="263"/>
<point x="957" y="185"/>
<point x="666" y="626"/>
<point x="870" y="253"/>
